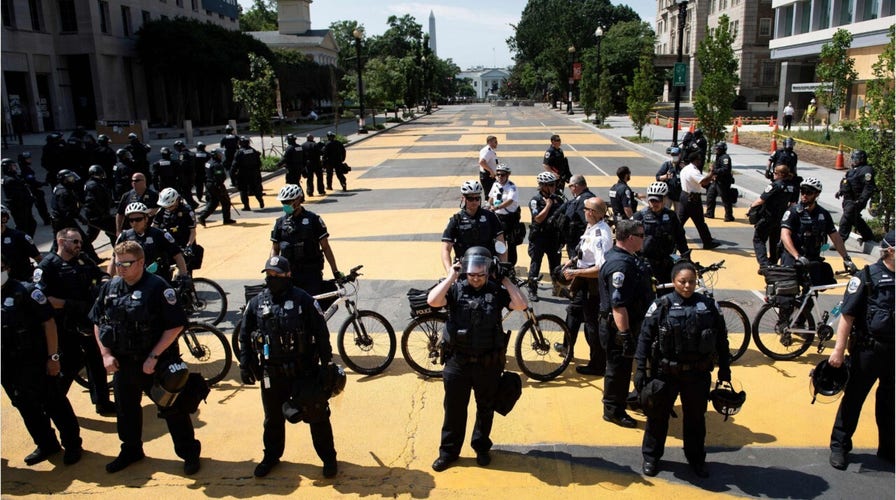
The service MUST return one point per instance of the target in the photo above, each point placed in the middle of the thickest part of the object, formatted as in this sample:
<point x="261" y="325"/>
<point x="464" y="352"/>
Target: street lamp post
<point x="572" y="59"/>
<point x="682" y="18"/>
<point x="358" y="33"/>
<point x="598" y="33"/>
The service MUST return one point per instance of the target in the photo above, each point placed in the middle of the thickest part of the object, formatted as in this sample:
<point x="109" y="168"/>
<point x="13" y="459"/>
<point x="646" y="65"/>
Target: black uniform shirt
<point x="872" y="303"/>
<point x="622" y="197"/>
<point x="465" y="231"/>
<point x="625" y="282"/>
<point x="177" y="222"/>
<point x="157" y="245"/>
<point x="809" y="229"/>
<point x="19" y="248"/>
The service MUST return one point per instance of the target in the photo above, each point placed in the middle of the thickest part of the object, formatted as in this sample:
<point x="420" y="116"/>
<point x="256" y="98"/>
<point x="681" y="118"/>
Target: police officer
<point x="503" y="200"/>
<point x="623" y="200"/>
<point x="122" y="172"/>
<point x="682" y="337"/>
<point x="104" y="156"/>
<point x="99" y="205"/>
<point x="34" y="185"/>
<point x="140" y="153"/>
<point x="187" y="161"/>
<point x="17" y="197"/>
<point x="246" y="168"/>
<point x="574" y="213"/>
<point x="663" y="233"/>
<point x="71" y="282"/>
<point x="625" y="294"/>
<point x="138" y="320"/>
<point x="159" y="247"/>
<point x="773" y="202"/>
<point x="470" y="227"/>
<point x="18" y="249"/>
<point x="140" y="193"/>
<point x="786" y="155"/>
<point x="544" y="240"/>
<point x="333" y="157"/>
<point x="65" y="209"/>
<point x="669" y="173"/>
<point x="488" y="162"/>
<point x="165" y="171"/>
<point x="722" y="179"/>
<point x="867" y="327"/>
<point x="30" y="370"/>
<point x="200" y="158"/>
<point x="692" y="183"/>
<point x="177" y="219"/>
<point x="803" y="230"/>
<point x="216" y="191"/>
<point x="856" y="189"/>
<point x="285" y="344"/>
<point x="301" y="236"/>
<point x="311" y="151"/>
<point x="555" y="162"/>
<point x="53" y="157"/>
<point x="294" y="160"/>
<point x="475" y="350"/>
<point x="698" y="143"/>
<point x="230" y="144"/>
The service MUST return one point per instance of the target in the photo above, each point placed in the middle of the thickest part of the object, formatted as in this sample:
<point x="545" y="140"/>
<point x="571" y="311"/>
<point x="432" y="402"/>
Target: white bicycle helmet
<point x="290" y="192"/>
<point x="657" y="189"/>
<point x="502" y="167"/>
<point x="5" y="211"/>
<point x="168" y="197"/>
<point x="547" y="178"/>
<point x="812" y="182"/>
<point x="136" y="208"/>
<point x="470" y="187"/>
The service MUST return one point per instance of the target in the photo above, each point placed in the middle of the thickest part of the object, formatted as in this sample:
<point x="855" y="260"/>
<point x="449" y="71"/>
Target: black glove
<point x="187" y="251"/>
<point x="849" y="266"/>
<point x="640" y="379"/>
<point x="247" y="376"/>
<point x="725" y="374"/>
<point x="837" y="195"/>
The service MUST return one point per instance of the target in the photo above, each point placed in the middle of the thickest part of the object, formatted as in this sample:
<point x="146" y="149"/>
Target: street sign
<point x="680" y="75"/>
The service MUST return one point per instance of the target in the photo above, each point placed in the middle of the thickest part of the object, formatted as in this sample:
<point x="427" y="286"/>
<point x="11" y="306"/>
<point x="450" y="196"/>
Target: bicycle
<point x="534" y="347"/>
<point x="364" y="350"/>
<point x="203" y="300"/>
<point x="736" y="320"/>
<point x="783" y="333"/>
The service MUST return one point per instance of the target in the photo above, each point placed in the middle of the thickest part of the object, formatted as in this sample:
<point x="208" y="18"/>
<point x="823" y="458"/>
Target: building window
<point x="104" y="16"/>
<point x="735" y="28"/>
<point x="146" y="16"/>
<point x="180" y="3"/>
<point x="37" y="15"/>
<point x="68" y="19"/>
<point x="869" y="9"/>
<point x="788" y="20"/>
<point x="769" y="73"/>
<point x="8" y="17"/>
<point x="723" y="4"/>
<point x="712" y="6"/>
<point x="126" y="26"/>
<point x="824" y="14"/>
<point x="765" y="26"/>
<point x="195" y="5"/>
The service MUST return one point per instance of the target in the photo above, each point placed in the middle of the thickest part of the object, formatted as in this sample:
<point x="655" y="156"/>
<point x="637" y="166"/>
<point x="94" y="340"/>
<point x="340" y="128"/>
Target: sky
<point x="469" y="32"/>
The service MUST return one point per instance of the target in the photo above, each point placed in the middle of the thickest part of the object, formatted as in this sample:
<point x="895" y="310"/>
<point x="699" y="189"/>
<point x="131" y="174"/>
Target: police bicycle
<point x="203" y="300"/>
<point x="535" y="355"/>
<point x="786" y="327"/>
<point x="736" y="320"/>
<point x="365" y="341"/>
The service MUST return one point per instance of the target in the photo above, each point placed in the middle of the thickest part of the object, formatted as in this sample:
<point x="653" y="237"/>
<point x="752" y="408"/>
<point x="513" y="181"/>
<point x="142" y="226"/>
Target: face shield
<point x="476" y="264"/>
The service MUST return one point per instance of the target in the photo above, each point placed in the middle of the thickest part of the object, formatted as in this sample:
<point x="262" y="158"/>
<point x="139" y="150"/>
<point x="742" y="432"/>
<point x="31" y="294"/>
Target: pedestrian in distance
<point x="17" y="196"/>
<point x="65" y="209"/>
<point x="166" y="171"/>
<point x="187" y="161"/>
<point x="285" y="345"/>
<point x="503" y="200"/>
<point x="200" y="159"/>
<point x="99" y="205"/>
<point x="34" y="186"/>
<point x="230" y="143"/>
<point x="488" y="163"/>
<point x="785" y="155"/>
<point x="811" y="110"/>
<point x="475" y="349"/>
<point x="470" y="227"/>
<point x="856" y="189"/>
<point x="140" y="153"/>
<point x="788" y="115"/>
<point x="692" y="184"/>
<point x="122" y="173"/>
<point x="104" y="156"/>
<point x="544" y="239"/>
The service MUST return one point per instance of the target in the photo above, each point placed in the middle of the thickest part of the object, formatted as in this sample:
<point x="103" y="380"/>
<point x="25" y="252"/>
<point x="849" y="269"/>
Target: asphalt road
<point x="403" y="188"/>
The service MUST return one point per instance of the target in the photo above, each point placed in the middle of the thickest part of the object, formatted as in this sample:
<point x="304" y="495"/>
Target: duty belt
<point x="876" y="345"/>
<point x="674" y="367"/>
<point x="695" y="196"/>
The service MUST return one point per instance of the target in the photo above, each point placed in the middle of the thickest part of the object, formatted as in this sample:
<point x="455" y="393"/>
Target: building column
<point x="790" y="74"/>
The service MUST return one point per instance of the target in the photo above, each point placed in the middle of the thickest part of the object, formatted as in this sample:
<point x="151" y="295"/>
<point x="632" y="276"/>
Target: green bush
<point x="347" y="113"/>
<point x="380" y="126"/>
<point x="269" y="163"/>
<point x="394" y="119"/>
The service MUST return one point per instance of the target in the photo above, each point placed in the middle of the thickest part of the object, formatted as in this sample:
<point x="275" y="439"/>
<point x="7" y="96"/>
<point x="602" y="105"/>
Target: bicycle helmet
<point x="657" y="189"/>
<point x="546" y="178"/>
<point x="476" y="260"/>
<point x="470" y="187"/>
<point x="789" y="143"/>
<point x="168" y="383"/>
<point x="826" y="382"/>
<point x="332" y="380"/>
<point x="673" y="150"/>
<point x="96" y="171"/>
<point x="858" y="157"/>
<point x="726" y="400"/>
<point x="811" y="182"/>
<point x="502" y="167"/>
<point x="168" y="197"/>
<point x="136" y="208"/>
<point x="290" y="192"/>
<point x="66" y="176"/>
<point x="721" y="147"/>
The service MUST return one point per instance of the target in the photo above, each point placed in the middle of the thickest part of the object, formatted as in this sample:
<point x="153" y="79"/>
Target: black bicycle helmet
<point x="826" y="382"/>
<point x="726" y="400"/>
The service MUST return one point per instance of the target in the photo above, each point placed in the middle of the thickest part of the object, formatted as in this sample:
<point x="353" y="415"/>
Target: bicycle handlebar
<point x="712" y="267"/>
<point x="352" y="275"/>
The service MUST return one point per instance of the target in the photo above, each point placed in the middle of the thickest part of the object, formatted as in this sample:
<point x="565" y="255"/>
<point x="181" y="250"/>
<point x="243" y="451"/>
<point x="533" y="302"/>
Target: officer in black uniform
<point x="786" y="156"/>
<point x="18" y="249"/>
<point x="311" y="151"/>
<point x="230" y="143"/>
<point x="71" y="282"/>
<point x="663" y="234"/>
<point x="246" y="169"/>
<point x="216" y="191"/>
<point x="34" y="186"/>
<point x="159" y="247"/>
<point x="867" y="328"/>
<point x="623" y="200"/>
<point x="140" y="153"/>
<point x="301" y="236"/>
<point x="140" y="193"/>
<point x="856" y="189"/>
<point x="17" y="197"/>
<point x="682" y="337"/>
<point x="544" y="240"/>
<point x="201" y="157"/>
<point x="99" y="205"/>
<point x="698" y="143"/>
<point x="138" y="320"/>
<point x="625" y="294"/>
<point x="121" y="173"/>
<point x="53" y="157"/>
<point x="774" y="201"/>
<point x="165" y="171"/>
<point x="177" y="219"/>
<point x="187" y="161"/>
<point x="722" y="179"/>
<point x="65" y="210"/>
<point x="333" y="157"/>
<point x="104" y="156"/>
<point x="285" y="344"/>
<point x="294" y="160"/>
<point x="470" y="227"/>
<point x="669" y="173"/>
<point x="574" y="212"/>
<point x="475" y="350"/>
<point x="556" y="163"/>
<point x="30" y="370"/>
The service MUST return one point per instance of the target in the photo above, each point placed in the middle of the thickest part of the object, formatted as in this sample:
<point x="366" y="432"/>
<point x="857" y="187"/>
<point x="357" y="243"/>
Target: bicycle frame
<point x="827" y="319"/>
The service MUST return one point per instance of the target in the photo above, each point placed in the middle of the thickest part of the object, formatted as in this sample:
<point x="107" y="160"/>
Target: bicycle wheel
<point x="772" y="336"/>
<point x="738" y="328"/>
<point x="235" y="339"/>
<point x="420" y="343"/>
<point x="207" y="351"/>
<point x="371" y="343"/>
<point x="209" y="305"/>
<point x="535" y="354"/>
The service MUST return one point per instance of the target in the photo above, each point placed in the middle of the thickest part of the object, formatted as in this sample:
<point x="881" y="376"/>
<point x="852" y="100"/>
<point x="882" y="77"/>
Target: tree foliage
<point x="257" y="94"/>
<point x="621" y="44"/>
<point x="837" y="68"/>
<point x="261" y="17"/>
<point x="714" y="100"/>
<point x="642" y="94"/>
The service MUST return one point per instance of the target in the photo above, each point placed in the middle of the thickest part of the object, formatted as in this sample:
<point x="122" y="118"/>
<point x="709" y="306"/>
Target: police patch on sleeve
<point x="650" y="311"/>
<point x="547" y="154"/>
<point x="319" y="310"/>
<point x="170" y="296"/>
<point x="29" y="240"/>
<point x="38" y="296"/>
<point x="768" y="188"/>
<point x="868" y="177"/>
<point x="618" y="279"/>
<point x="169" y="237"/>
<point x="37" y="275"/>
<point x="854" y="283"/>
<point x="321" y="221"/>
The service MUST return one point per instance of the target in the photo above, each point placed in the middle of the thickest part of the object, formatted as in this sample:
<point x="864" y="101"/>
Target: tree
<point x="257" y="94"/>
<point x="642" y="94"/>
<point x="261" y="17"/>
<point x="714" y="100"/>
<point x="836" y="68"/>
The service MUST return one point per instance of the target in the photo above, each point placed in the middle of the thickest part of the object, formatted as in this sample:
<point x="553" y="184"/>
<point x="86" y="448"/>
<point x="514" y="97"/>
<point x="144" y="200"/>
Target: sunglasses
<point x="125" y="263"/>
<point x="808" y="191"/>
<point x="501" y="174"/>
<point x="76" y="242"/>
<point x="476" y="275"/>
<point x="473" y="198"/>
<point x="136" y="180"/>
<point x="136" y="219"/>
<point x="654" y="200"/>
<point x="639" y="235"/>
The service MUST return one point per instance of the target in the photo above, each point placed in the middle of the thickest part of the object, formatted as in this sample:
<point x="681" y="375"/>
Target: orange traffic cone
<point x="839" y="164"/>
<point x="657" y="122"/>
<point x="669" y="123"/>
<point x="774" y="143"/>
<point x="771" y="122"/>
<point x="735" y="139"/>
<point x="693" y="126"/>
<point x="740" y="122"/>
